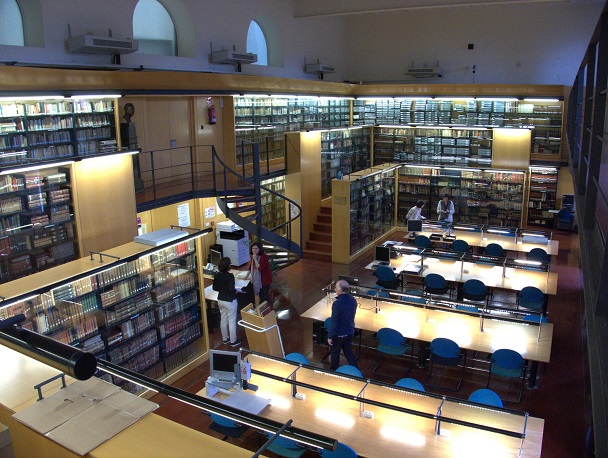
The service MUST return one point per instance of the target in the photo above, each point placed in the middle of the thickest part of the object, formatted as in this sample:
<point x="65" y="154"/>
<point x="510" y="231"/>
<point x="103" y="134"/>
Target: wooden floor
<point x="562" y="397"/>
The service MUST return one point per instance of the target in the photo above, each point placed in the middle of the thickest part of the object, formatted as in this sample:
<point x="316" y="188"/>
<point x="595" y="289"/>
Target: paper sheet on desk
<point x="85" y="414"/>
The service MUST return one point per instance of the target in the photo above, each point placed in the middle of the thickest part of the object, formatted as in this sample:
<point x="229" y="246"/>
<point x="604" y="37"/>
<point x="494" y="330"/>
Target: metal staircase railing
<point x="239" y="197"/>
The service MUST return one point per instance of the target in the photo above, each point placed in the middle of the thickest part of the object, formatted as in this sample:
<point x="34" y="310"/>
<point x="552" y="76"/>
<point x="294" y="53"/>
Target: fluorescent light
<point x="371" y="99"/>
<point x="95" y="96"/>
<point x="528" y="263"/>
<point x="497" y="231"/>
<point x="497" y="99"/>
<point x="35" y="167"/>
<point x="541" y="100"/>
<point x="31" y="98"/>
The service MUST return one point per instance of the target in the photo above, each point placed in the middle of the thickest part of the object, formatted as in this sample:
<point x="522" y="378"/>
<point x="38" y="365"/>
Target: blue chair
<point x="494" y="249"/>
<point x="564" y="219"/>
<point x="436" y="284"/>
<point x="539" y="255"/>
<point x="486" y="397"/>
<point x="446" y="352"/>
<point x="387" y="277"/>
<point x="326" y="327"/>
<point x="460" y="246"/>
<point x="283" y="446"/>
<point x="378" y="293"/>
<point x="297" y="358"/>
<point x="342" y="451"/>
<point x="227" y="427"/>
<point x="349" y="370"/>
<point x="422" y="242"/>
<point x="392" y="343"/>
<point x="411" y="384"/>
<point x="475" y="290"/>
<point x="531" y="298"/>
<point x="467" y="308"/>
<point x="510" y="364"/>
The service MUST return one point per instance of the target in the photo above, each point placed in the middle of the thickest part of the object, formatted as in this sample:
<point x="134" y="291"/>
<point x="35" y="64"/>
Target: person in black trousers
<point x="342" y="328"/>
<point x="223" y="283"/>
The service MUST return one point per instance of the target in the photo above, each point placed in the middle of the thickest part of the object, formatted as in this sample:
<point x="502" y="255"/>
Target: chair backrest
<point x="493" y="211"/>
<point x="390" y="337"/>
<point x="422" y="241"/>
<point x="410" y="383"/>
<point x="342" y="451"/>
<point x="223" y="421"/>
<point x="507" y="359"/>
<point x="494" y="249"/>
<point x="297" y="358"/>
<point x="385" y="294"/>
<point x="327" y="323"/>
<point x="460" y="246"/>
<point x="538" y="254"/>
<point x="446" y="348"/>
<point x="385" y="273"/>
<point x="532" y="298"/>
<point x="564" y="215"/>
<point x="349" y="370"/>
<point x="435" y="281"/>
<point x="474" y="286"/>
<point x="486" y="396"/>
<point x="536" y="318"/>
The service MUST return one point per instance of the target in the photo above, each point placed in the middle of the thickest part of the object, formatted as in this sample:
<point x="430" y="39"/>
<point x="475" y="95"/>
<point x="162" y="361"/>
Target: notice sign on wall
<point x="210" y="212"/>
<point x="183" y="215"/>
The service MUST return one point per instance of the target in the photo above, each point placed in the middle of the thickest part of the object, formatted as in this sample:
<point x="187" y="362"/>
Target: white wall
<point x="221" y="22"/>
<point x="529" y="43"/>
<point x="540" y="43"/>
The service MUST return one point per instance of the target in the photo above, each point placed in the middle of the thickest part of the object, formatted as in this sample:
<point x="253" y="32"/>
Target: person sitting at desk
<point x="223" y="283"/>
<point x="416" y="211"/>
<point x="445" y="209"/>
<point x="342" y="328"/>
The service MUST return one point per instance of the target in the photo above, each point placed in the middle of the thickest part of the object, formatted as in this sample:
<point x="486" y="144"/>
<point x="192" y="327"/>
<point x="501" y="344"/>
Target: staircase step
<point x="321" y="218"/>
<point x="316" y="255"/>
<point x="320" y="236"/>
<point x="322" y="227"/>
<point x="326" y="210"/>
<point x="234" y="199"/>
<point x="318" y="246"/>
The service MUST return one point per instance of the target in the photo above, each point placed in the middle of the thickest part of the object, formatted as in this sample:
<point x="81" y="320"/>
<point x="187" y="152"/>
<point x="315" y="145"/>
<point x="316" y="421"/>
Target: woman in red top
<point x="260" y="272"/>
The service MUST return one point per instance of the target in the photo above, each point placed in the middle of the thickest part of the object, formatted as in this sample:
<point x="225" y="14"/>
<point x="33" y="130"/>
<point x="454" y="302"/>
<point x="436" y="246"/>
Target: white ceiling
<point x="320" y="8"/>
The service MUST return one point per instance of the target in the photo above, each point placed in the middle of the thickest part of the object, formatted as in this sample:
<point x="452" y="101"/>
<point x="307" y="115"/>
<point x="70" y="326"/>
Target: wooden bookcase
<point x="542" y="196"/>
<point x="37" y="224"/>
<point x="142" y="312"/>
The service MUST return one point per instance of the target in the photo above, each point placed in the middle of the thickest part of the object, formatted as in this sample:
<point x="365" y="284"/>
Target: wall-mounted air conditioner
<point x="319" y="68"/>
<point x="101" y="45"/>
<point x="233" y="57"/>
<point x="423" y="72"/>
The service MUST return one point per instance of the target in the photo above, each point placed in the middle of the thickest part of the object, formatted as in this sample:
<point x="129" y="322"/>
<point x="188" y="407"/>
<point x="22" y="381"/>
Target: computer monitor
<point x="568" y="200"/>
<point x="414" y="225"/>
<point x="222" y="364"/>
<point x="215" y="257"/>
<point x="383" y="254"/>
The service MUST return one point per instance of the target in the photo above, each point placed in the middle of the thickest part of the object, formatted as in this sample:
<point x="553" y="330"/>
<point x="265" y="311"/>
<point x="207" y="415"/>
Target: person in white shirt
<point x="445" y="209"/>
<point x="416" y="211"/>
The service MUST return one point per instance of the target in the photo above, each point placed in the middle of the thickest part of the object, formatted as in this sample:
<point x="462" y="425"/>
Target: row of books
<point x="11" y="205"/>
<point x="50" y="123"/>
<point x="185" y="335"/>
<point x="123" y="352"/>
<point x="57" y="136"/>
<point x="179" y="322"/>
<point x="11" y="183"/>
<point x="129" y="308"/>
<point x="77" y="332"/>
<point x="137" y="325"/>
<point x="176" y="286"/>
<point x="14" y="245"/>
<point x="93" y="121"/>
<point x="143" y="360"/>
<point x="13" y="141"/>
<point x="176" y="304"/>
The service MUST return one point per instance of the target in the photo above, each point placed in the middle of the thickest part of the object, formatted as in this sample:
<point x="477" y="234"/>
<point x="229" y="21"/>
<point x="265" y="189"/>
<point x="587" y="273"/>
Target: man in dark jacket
<point x="342" y="328"/>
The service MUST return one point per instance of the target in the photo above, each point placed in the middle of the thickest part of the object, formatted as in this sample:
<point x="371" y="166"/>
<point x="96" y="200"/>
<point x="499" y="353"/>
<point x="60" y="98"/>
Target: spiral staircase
<point x="239" y="197"/>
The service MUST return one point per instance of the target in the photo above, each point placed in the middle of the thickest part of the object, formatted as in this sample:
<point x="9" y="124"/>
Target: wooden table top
<point x="425" y="324"/>
<point x="389" y="433"/>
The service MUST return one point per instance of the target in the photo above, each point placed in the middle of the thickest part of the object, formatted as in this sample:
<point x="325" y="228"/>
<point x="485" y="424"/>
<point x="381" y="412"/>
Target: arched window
<point x="153" y="28"/>
<point x="11" y="23"/>
<point x="256" y="43"/>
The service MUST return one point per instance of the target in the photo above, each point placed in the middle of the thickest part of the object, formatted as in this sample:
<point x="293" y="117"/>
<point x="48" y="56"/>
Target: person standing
<point x="416" y="211"/>
<point x="342" y="328"/>
<point x="445" y="209"/>
<point x="223" y="283"/>
<point x="260" y="273"/>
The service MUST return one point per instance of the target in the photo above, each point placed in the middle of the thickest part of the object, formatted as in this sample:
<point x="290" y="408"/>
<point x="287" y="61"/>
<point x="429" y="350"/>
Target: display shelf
<point x="542" y="196"/>
<point x="343" y="151"/>
<point x="37" y="229"/>
<point x="544" y="117"/>
<point x="273" y="206"/>
<point x="47" y="129"/>
<point x="422" y="145"/>
<point x="134" y="313"/>
<point x="365" y="201"/>
<point x="480" y="196"/>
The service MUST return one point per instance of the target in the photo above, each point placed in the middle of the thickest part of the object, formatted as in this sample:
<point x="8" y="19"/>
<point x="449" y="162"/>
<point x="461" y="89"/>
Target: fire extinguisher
<point x="211" y="113"/>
